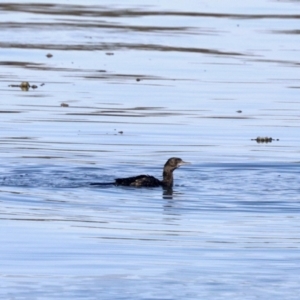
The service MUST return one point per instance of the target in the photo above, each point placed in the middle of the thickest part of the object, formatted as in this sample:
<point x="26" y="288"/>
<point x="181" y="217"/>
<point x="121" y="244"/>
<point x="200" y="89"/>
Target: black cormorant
<point x="150" y="181"/>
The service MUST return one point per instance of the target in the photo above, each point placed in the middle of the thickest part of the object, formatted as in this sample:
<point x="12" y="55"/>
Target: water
<point x="145" y="82"/>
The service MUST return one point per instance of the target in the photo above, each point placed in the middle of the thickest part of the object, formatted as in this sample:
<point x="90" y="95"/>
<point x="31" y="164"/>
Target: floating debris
<point x="24" y="85"/>
<point x="64" y="105"/>
<point x="239" y="111"/>
<point x="49" y="55"/>
<point x="42" y="84"/>
<point x="109" y="53"/>
<point x="121" y="132"/>
<point x="264" y="139"/>
<point x="138" y="79"/>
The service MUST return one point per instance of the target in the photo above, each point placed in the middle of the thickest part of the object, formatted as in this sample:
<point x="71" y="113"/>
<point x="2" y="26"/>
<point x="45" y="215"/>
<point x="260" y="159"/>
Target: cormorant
<point x="150" y="181"/>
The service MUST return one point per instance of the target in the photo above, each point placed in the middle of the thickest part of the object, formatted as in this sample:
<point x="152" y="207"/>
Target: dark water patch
<point x="20" y="138"/>
<point x="105" y="75"/>
<point x="226" y="117"/>
<point x="193" y="172"/>
<point x="68" y="25"/>
<point x="22" y="64"/>
<point x="56" y="120"/>
<point x="131" y="77"/>
<point x="107" y="11"/>
<point x="10" y="112"/>
<point x="49" y="176"/>
<point x="120" y="46"/>
<point x="278" y="61"/>
<point x="125" y="114"/>
<point x="295" y="31"/>
<point x="43" y="157"/>
<point x="142" y="108"/>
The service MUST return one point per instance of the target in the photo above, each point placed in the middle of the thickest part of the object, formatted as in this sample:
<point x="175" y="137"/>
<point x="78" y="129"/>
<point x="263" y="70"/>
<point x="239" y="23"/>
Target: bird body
<point x="150" y="181"/>
<point x="138" y="181"/>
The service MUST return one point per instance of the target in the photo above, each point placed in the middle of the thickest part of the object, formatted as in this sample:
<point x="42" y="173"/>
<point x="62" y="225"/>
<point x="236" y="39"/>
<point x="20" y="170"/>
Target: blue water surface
<point x="128" y="86"/>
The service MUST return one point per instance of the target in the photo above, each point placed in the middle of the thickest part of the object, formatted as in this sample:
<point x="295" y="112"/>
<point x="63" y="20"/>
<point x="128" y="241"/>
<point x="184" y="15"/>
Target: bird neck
<point x="167" y="178"/>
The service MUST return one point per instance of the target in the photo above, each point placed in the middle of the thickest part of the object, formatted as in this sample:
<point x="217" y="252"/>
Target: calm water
<point x="145" y="82"/>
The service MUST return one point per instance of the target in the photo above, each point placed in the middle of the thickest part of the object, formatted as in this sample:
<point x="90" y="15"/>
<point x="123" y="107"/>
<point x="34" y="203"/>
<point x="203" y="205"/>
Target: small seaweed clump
<point x="264" y="139"/>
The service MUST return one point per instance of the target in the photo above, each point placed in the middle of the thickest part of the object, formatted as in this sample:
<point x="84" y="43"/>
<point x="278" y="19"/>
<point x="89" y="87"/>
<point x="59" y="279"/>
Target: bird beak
<point x="184" y="163"/>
